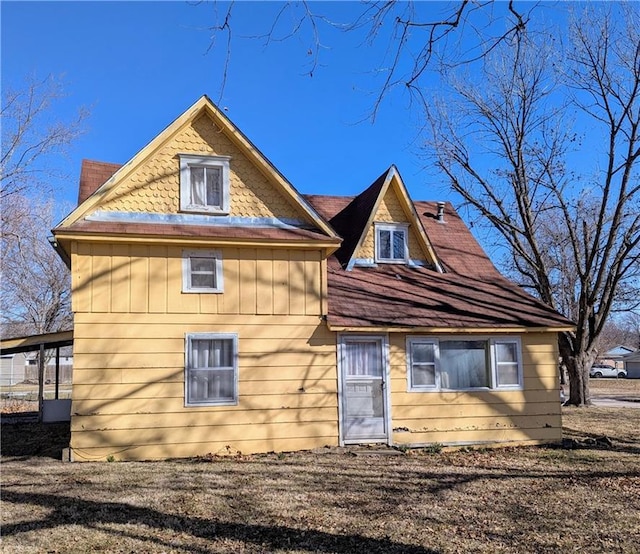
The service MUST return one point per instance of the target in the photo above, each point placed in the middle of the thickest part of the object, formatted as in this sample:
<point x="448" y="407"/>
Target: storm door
<point x="363" y="362"/>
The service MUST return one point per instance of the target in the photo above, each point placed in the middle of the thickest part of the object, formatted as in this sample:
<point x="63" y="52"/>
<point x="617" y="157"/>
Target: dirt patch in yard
<point x="334" y="500"/>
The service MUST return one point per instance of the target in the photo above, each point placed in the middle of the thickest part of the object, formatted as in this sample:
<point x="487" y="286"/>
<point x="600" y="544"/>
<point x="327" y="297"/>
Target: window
<point x="422" y="370"/>
<point x="391" y="243"/>
<point x="204" y="184"/>
<point x="201" y="271"/>
<point x="506" y="360"/>
<point x="463" y="364"/>
<point x="211" y="376"/>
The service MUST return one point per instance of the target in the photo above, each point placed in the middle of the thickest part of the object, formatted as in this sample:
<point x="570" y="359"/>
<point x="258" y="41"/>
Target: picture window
<point x="463" y="364"/>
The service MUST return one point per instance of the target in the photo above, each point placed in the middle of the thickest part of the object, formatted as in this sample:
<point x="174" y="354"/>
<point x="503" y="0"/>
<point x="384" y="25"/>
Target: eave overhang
<point x="449" y="330"/>
<point x="64" y="238"/>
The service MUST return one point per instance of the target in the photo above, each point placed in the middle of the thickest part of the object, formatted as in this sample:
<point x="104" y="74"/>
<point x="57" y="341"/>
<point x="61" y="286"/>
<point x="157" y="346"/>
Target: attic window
<point x="204" y="184"/>
<point x="391" y="243"/>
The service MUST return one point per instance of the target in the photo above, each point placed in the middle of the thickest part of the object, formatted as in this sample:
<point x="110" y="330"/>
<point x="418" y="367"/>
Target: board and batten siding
<point x="131" y="319"/>
<point x="122" y="278"/>
<point x="530" y="415"/>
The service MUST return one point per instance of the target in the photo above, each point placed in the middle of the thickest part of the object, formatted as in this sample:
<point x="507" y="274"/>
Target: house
<point x="632" y="365"/>
<point x="218" y="310"/>
<point x="615" y="356"/>
<point x="12" y="369"/>
<point x="63" y="364"/>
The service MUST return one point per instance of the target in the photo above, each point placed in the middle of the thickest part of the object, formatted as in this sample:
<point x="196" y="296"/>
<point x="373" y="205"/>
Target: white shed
<point x="12" y="369"/>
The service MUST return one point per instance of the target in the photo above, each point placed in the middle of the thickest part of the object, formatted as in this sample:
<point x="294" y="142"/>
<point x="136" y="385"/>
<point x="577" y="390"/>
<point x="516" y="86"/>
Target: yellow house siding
<point x="128" y="395"/>
<point x="138" y="279"/>
<point x="155" y="186"/>
<point x="449" y="417"/>
<point x="131" y="318"/>
<point x="390" y="211"/>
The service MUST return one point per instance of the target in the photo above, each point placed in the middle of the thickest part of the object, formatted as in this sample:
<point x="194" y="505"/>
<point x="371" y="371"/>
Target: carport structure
<point x="49" y="410"/>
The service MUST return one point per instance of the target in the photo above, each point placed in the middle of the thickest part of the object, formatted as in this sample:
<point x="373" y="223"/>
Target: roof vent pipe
<point x="440" y="214"/>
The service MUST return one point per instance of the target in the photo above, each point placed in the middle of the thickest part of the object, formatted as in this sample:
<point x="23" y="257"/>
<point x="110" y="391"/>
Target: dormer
<point x="381" y="226"/>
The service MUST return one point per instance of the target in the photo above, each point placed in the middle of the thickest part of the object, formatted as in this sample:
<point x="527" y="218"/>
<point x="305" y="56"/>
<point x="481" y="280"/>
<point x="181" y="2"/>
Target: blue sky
<point x="138" y="65"/>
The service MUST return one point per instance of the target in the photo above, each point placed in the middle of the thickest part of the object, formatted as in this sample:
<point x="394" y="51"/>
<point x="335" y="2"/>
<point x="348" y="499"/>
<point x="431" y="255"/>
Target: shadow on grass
<point x="22" y="439"/>
<point x="90" y="514"/>
<point x="580" y="439"/>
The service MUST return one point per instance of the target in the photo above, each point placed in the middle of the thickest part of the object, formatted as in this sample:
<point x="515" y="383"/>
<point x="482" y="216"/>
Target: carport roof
<point x="33" y="342"/>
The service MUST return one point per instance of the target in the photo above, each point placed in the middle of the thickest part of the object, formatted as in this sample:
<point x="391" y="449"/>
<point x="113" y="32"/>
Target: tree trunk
<point x="578" y="361"/>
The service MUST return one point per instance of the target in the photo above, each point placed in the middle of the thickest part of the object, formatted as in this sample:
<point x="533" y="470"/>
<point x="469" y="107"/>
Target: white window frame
<point x="410" y="363"/>
<point x="492" y="343"/>
<point x="187" y="161"/>
<point x="189" y="337"/>
<point x="391" y="227"/>
<point x="215" y="255"/>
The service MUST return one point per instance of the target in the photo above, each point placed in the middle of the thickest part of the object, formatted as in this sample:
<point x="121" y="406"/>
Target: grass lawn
<point x="343" y="500"/>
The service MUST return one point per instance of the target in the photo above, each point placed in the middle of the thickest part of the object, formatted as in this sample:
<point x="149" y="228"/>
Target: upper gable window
<point x="204" y="184"/>
<point x="391" y="243"/>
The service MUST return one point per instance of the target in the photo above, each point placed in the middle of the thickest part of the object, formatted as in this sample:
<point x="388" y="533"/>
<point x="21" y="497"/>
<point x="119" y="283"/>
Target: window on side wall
<point x="204" y="184"/>
<point x="391" y="243"/>
<point x="202" y="271"/>
<point x="211" y="373"/>
<point x="463" y="364"/>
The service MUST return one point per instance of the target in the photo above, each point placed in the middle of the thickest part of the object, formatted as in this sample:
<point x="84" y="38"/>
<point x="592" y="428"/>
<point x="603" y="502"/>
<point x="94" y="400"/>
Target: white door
<point x="363" y="368"/>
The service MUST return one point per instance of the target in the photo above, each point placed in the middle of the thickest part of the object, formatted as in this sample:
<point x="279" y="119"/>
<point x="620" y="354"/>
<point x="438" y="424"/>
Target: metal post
<point x="57" y="372"/>
<point x="41" y="383"/>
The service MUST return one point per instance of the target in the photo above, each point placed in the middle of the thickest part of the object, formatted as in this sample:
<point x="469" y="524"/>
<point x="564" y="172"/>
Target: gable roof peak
<point x="354" y="221"/>
<point x="91" y="196"/>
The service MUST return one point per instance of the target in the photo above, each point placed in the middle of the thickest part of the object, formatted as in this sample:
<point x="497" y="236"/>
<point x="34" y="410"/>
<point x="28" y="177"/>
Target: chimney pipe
<point x="440" y="213"/>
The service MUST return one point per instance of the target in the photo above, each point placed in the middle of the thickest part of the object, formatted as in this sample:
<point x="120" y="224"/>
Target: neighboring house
<point x="217" y="310"/>
<point x="65" y="368"/>
<point x="615" y="356"/>
<point x="12" y="369"/>
<point x="632" y="365"/>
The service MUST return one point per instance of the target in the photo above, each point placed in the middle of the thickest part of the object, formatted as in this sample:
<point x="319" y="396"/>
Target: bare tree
<point x="35" y="285"/>
<point x="416" y="36"/>
<point x="30" y="137"/>
<point x="630" y="323"/>
<point x="505" y="143"/>
<point x="621" y="331"/>
<point x="35" y="288"/>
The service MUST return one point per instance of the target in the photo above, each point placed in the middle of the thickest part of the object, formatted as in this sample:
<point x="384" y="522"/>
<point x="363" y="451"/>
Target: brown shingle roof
<point x="350" y="222"/>
<point x="471" y="294"/>
<point x="456" y="247"/>
<point x="399" y="296"/>
<point x="92" y="175"/>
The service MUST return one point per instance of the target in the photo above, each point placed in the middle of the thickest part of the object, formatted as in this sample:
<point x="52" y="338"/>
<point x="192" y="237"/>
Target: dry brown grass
<point x="615" y="388"/>
<point x="506" y="500"/>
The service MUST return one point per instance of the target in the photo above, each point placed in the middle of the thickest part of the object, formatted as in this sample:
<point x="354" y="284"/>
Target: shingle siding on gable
<point x="155" y="186"/>
<point x="389" y="211"/>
